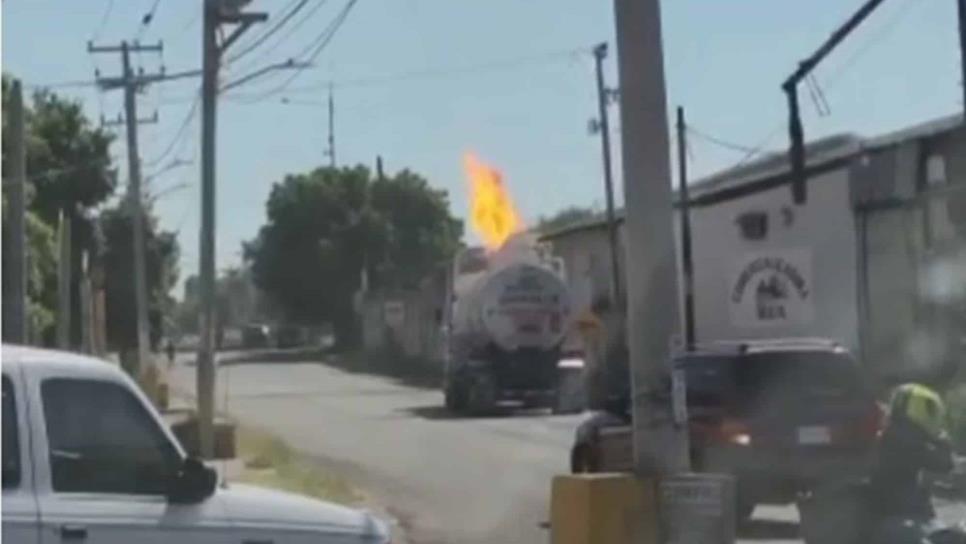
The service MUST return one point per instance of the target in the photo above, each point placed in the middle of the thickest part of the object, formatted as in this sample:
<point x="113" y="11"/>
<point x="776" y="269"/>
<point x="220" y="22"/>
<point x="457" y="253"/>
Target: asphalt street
<point x="447" y="480"/>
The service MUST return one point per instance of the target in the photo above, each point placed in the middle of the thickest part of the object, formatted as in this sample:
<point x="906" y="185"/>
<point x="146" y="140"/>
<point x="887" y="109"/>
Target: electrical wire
<point x="874" y="40"/>
<point x="147" y="19"/>
<point x="315" y="48"/>
<point x="104" y="18"/>
<point x="179" y="134"/>
<point x="432" y="73"/>
<point x="719" y="141"/>
<point x="268" y="33"/>
<point x="291" y="30"/>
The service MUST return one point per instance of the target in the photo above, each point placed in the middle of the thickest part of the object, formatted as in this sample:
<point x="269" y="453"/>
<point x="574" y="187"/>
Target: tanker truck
<point x="509" y="311"/>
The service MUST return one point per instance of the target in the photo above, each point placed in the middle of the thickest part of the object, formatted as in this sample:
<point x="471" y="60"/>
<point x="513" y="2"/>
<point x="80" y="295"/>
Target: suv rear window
<point x="742" y="379"/>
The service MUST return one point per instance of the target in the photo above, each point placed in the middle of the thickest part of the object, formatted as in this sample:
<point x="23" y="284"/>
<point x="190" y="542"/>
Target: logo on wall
<point x="772" y="288"/>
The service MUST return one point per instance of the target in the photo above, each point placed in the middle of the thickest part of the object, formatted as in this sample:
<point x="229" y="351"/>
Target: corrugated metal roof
<point x="819" y="152"/>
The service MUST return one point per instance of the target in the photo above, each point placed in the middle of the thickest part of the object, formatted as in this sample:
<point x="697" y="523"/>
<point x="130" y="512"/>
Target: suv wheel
<point x="582" y="459"/>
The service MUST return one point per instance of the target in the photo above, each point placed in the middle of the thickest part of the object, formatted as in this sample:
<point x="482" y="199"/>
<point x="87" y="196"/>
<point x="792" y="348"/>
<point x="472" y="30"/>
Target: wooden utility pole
<point x="216" y="13"/>
<point x="961" y="12"/>
<point x="16" y="302"/>
<point x="660" y="446"/>
<point x="603" y="124"/>
<point x="331" y="151"/>
<point x="64" y="241"/>
<point x="687" y="263"/>
<point x="132" y="84"/>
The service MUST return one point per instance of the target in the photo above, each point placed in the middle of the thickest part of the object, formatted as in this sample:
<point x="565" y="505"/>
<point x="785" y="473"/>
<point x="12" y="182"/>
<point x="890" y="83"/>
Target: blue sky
<point x="526" y="113"/>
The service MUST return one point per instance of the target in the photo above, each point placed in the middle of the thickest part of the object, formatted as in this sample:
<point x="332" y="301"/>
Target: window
<point x="103" y="440"/>
<point x="11" y="438"/>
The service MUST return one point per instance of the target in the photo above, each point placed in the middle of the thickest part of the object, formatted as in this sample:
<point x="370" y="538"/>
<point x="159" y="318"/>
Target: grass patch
<point x="270" y="462"/>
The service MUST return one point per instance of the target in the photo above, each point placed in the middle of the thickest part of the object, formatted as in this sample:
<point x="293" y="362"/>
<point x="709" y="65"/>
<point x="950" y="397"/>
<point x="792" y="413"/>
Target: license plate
<point x="815" y="435"/>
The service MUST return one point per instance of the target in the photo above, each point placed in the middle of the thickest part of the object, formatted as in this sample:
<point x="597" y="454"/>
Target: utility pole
<point x="687" y="264"/>
<point x="796" y="134"/>
<point x="17" y="301"/>
<point x="216" y="13"/>
<point x="331" y="151"/>
<point x="603" y="124"/>
<point x="961" y="5"/>
<point x="131" y="85"/>
<point x="660" y="443"/>
<point x="64" y="241"/>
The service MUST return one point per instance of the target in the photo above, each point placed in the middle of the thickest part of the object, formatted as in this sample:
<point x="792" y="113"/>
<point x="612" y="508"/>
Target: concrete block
<point x="603" y="509"/>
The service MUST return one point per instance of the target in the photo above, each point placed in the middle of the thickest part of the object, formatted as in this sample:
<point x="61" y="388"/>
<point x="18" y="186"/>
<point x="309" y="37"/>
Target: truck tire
<point x="481" y="395"/>
<point x="567" y="397"/>
<point x="455" y="397"/>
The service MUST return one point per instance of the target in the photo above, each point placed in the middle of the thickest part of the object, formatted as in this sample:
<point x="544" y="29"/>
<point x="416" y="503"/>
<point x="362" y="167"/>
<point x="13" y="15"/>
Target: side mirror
<point x="192" y="483"/>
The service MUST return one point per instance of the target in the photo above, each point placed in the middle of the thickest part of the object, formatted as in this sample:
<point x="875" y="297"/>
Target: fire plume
<point x="492" y="213"/>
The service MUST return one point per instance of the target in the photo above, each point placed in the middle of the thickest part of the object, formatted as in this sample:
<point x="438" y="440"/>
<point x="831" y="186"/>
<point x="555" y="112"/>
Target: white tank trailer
<point x="509" y="312"/>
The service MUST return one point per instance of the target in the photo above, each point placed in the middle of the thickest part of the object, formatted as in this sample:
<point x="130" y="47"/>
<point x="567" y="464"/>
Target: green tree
<point x="161" y="263"/>
<point x="41" y="275"/>
<point x="69" y="171"/>
<point x="328" y="226"/>
<point x="68" y="159"/>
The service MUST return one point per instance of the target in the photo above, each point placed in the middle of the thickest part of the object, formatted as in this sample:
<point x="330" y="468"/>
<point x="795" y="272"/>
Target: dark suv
<point x="781" y="416"/>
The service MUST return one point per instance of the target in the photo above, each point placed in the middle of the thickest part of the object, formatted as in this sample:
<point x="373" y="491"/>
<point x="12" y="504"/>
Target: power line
<point x="291" y="30"/>
<point x="268" y="33"/>
<point x="104" y="18"/>
<point x="147" y="19"/>
<point x="720" y="141"/>
<point x="874" y="40"/>
<point x="179" y="134"/>
<point x="435" y="73"/>
<point x="319" y="45"/>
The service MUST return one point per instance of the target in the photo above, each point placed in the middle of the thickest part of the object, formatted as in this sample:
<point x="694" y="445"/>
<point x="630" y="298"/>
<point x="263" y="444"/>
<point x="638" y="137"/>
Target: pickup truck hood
<point x="266" y="509"/>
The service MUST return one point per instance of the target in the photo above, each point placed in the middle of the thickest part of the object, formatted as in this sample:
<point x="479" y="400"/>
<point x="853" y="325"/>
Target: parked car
<point x="256" y="336"/>
<point x="86" y="458"/>
<point x="781" y="416"/>
<point x="289" y="336"/>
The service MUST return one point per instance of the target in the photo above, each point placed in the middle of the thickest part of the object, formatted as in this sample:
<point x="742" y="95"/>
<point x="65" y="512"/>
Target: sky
<point x="421" y="82"/>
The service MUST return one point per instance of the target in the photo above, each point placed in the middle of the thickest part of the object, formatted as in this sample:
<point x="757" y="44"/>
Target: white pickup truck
<point x="86" y="459"/>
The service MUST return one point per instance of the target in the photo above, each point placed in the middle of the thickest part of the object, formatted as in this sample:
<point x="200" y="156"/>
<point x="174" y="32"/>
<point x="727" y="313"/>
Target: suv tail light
<point x="725" y="431"/>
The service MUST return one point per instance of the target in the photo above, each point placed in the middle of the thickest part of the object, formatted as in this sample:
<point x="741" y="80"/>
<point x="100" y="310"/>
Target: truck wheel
<point x="455" y="397"/>
<point x="481" y="397"/>
<point x="567" y="398"/>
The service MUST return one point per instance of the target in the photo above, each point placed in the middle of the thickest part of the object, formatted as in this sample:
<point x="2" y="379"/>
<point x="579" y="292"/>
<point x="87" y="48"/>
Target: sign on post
<point x="697" y="509"/>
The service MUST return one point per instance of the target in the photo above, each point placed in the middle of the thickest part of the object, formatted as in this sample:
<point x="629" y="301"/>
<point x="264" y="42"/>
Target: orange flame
<point x="492" y="213"/>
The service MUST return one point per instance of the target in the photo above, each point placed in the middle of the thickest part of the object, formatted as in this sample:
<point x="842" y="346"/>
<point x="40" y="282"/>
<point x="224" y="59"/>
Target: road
<point x="447" y="480"/>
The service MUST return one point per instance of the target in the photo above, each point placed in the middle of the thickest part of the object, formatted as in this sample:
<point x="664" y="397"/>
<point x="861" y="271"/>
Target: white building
<point x="875" y="258"/>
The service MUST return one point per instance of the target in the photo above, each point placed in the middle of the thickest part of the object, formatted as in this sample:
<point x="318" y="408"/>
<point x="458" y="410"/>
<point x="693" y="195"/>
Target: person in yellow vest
<point x="914" y="441"/>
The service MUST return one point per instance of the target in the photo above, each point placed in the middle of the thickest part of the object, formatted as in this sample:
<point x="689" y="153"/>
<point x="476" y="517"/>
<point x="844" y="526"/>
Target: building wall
<point x="799" y="279"/>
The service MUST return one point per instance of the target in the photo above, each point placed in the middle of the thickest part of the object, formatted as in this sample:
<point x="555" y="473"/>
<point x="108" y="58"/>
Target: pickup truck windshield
<point x="103" y="440"/>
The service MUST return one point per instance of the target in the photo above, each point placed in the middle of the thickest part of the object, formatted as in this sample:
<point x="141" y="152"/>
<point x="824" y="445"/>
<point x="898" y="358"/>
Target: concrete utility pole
<point x="16" y="303"/>
<point x="687" y="263"/>
<point x="216" y="13"/>
<point x="331" y="150"/>
<point x="660" y="447"/>
<point x="603" y="124"/>
<point x="132" y="84"/>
